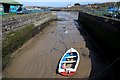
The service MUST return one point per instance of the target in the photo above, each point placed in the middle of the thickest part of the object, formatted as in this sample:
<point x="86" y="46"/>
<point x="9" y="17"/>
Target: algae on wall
<point x="20" y="29"/>
<point x="13" y="40"/>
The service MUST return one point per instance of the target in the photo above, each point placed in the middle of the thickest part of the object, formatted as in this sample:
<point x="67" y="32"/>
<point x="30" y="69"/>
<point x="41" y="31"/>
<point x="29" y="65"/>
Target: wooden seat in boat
<point x="68" y="61"/>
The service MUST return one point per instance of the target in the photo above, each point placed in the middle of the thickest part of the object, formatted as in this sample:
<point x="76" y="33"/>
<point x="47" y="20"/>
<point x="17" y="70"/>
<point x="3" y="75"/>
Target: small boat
<point x="69" y="62"/>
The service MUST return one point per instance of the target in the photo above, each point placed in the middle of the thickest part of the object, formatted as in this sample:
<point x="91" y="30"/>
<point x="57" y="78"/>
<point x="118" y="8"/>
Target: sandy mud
<point x="39" y="57"/>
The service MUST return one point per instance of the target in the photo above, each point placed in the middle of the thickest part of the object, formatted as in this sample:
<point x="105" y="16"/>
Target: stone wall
<point x="105" y="31"/>
<point x="19" y="29"/>
<point x="21" y="20"/>
<point x="106" y="34"/>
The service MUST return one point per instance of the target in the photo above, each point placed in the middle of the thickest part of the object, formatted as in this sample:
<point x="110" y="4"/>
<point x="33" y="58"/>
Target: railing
<point x="106" y="13"/>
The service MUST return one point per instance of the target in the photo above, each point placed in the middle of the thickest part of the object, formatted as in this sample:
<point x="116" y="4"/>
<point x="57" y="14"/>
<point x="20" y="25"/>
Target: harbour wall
<point x="18" y="29"/>
<point x="105" y="32"/>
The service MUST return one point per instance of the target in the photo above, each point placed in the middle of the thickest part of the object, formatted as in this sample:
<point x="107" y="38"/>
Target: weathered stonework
<point x="19" y="29"/>
<point x="21" y="20"/>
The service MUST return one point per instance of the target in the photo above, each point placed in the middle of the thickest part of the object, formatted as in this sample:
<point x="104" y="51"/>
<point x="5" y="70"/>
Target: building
<point x="8" y="6"/>
<point x="69" y="5"/>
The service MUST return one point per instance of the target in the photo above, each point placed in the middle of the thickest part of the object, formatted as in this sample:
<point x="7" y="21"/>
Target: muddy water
<point x="39" y="57"/>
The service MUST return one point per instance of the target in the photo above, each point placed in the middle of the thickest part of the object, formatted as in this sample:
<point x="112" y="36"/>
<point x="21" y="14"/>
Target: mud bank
<point x="39" y="57"/>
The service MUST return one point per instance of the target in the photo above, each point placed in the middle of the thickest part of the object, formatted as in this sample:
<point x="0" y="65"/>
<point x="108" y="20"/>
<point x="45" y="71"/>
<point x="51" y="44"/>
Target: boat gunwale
<point x="77" y="61"/>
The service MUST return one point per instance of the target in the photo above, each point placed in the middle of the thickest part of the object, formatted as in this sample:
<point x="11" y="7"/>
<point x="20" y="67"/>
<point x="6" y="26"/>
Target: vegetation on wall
<point x="14" y="40"/>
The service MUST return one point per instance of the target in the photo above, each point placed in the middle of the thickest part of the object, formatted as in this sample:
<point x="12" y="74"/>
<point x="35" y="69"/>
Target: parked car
<point x="22" y="11"/>
<point x="108" y="15"/>
<point x="113" y="12"/>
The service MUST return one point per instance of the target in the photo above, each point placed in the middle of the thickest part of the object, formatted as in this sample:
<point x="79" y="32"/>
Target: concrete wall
<point x="19" y="29"/>
<point x="105" y="32"/>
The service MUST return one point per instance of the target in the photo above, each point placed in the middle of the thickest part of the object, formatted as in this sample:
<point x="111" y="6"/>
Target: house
<point x="9" y="6"/>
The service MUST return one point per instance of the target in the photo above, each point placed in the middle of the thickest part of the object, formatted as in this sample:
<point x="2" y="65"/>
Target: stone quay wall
<point x="18" y="29"/>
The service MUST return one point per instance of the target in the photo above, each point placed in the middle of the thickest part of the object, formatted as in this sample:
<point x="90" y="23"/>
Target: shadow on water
<point x="99" y="65"/>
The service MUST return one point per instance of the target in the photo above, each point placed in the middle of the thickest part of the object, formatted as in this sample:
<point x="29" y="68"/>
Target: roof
<point x="10" y="2"/>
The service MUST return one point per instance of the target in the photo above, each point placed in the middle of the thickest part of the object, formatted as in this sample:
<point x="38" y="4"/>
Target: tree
<point x="76" y="4"/>
<point x="118" y="4"/>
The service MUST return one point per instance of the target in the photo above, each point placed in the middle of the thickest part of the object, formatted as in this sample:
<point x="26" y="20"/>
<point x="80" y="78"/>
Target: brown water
<point x="39" y="57"/>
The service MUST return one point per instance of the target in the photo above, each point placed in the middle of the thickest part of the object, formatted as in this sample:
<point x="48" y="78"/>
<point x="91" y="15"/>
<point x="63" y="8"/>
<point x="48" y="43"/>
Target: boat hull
<point x="69" y="63"/>
<point x="66" y="74"/>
